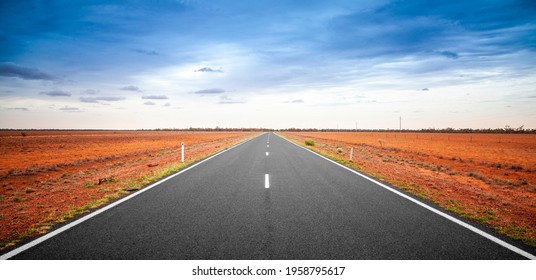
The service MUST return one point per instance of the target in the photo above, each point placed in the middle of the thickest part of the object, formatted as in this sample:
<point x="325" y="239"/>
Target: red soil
<point x="489" y="178"/>
<point x="49" y="176"/>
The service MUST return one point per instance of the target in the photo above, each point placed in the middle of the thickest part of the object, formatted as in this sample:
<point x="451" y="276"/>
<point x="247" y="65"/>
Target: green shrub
<point x="309" y="142"/>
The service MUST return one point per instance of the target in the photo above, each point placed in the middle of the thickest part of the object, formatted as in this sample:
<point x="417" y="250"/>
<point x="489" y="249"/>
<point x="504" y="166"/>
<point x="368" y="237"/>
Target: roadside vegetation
<point x="60" y="175"/>
<point x="489" y="179"/>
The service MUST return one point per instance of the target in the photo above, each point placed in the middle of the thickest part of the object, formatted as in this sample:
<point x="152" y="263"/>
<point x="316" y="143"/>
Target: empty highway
<point x="267" y="199"/>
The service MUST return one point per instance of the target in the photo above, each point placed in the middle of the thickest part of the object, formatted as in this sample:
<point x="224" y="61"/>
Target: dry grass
<point x="63" y="174"/>
<point x="490" y="179"/>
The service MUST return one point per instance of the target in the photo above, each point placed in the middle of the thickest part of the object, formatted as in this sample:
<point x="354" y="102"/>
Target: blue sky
<point x="277" y="64"/>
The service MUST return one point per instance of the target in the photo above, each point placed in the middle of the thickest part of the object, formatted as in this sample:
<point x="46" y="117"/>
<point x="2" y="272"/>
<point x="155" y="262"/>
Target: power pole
<point x="400" y="123"/>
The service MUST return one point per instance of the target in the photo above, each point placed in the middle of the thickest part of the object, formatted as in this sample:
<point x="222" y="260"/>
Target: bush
<point x="309" y="142"/>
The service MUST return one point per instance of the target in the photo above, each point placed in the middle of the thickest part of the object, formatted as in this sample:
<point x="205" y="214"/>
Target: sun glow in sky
<point x="275" y="64"/>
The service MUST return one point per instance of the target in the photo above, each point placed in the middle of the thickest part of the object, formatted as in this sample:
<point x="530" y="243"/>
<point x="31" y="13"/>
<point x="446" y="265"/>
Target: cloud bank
<point x="9" y="69"/>
<point x="210" y="91"/>
<point x="70" y="109"/>
<point x="131" y="88"/>
<point x="55" y="93"/>
<point x="209" y="70"/>
<point x="157" y="97"/>
<point x="101" y="98"/>
<point x="320" y="55"/>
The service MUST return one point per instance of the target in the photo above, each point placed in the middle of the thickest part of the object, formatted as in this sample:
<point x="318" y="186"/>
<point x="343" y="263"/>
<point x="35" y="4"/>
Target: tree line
<point x="506" y="130"/>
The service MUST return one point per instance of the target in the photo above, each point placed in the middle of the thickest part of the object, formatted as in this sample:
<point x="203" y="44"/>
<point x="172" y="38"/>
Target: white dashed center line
<point x="266" y="181"/>
<point x="266" y="153"/>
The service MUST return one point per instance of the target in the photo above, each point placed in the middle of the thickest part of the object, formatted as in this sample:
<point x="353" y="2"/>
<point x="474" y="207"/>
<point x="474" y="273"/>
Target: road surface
<point x="267" y="199"/>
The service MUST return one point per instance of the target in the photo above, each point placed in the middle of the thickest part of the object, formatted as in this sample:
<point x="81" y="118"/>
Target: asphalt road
<point x="312" y="209"/>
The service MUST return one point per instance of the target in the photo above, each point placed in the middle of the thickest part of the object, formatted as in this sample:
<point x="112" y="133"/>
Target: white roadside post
<point x="351" y="153"/>
<point x="182" y="151"/>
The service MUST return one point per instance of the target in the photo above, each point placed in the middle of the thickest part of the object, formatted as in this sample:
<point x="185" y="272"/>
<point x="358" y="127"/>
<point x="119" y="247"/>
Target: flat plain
<point x="48" y="177"/>
<point x="487" y="178"/>
<point x="310" y="209"/>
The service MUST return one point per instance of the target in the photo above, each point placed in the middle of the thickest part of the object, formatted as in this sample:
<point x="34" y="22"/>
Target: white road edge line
<point x="266" y="181"/>
<point x="51" y="234"/>
<point x="444" y="215"/>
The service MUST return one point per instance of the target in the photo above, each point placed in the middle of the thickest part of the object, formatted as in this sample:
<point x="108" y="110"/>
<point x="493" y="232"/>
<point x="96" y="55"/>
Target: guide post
<point x="182" y="151"/>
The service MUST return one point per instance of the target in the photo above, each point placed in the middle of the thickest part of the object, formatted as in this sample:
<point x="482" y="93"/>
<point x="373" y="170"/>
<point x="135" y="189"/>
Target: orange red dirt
<point x="47" y="177"/>
<point x="489" y="178"/>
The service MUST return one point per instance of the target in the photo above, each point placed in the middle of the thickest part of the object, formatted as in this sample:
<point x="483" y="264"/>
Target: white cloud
<point x="131" y="88"/>
<point x="154" y="97"/>
<point x="56" y="93"/>
<point x="210" y="91"/>
<point x="100" y="98"/>
<point x="70" y="109"/>
<point x="224" y="99"/>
